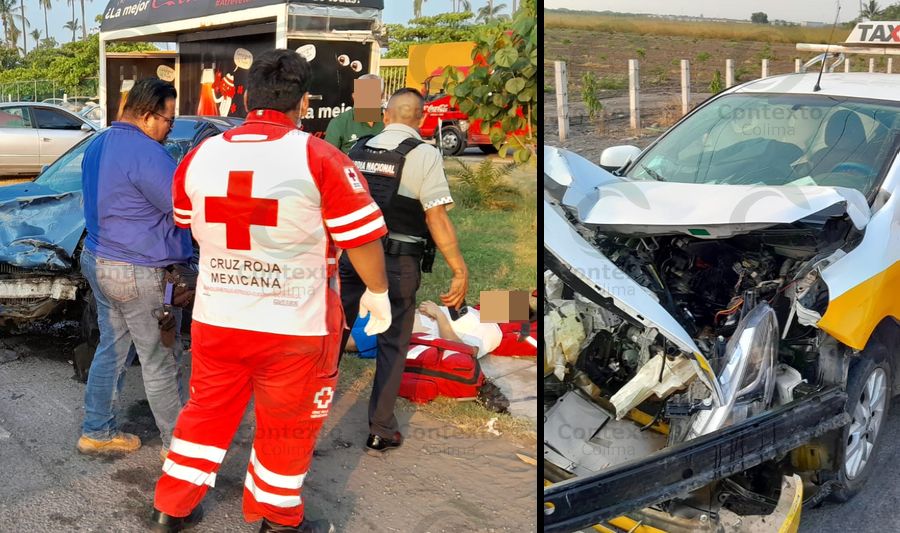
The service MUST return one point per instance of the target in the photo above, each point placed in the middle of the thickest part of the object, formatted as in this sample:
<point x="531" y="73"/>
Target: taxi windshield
<point x="766" y="139"/>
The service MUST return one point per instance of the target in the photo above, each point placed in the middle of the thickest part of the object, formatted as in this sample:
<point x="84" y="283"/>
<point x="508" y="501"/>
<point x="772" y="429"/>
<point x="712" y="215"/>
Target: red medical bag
<point x="438" y="367"/>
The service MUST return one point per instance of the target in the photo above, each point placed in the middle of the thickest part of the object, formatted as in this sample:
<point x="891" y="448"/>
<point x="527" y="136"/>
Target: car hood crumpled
<point x="39" y="228"/>
<point x="606" y="202"/>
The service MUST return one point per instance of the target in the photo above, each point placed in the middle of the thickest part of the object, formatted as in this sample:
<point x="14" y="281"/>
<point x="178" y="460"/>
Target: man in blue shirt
<point x="131" y="237"/>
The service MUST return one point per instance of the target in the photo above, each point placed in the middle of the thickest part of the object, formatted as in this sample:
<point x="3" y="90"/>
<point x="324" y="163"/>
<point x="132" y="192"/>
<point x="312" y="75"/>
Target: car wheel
<point x="488" y="148"/>
<point x="868" y="403"/>
<point x="452" y="140"/>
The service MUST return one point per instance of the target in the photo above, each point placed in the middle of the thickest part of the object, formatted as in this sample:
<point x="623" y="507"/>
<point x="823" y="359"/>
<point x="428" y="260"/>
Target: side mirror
<point x="44" y="169"/>
<point x="86" y="127"/>
<point x="616" y="157"/>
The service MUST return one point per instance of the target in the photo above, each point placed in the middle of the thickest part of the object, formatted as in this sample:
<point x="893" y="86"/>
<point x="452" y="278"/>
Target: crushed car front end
<point x="708" y="334"/>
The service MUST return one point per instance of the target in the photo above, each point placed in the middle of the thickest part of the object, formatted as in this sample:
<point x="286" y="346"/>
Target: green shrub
<point x="716" y="86"/>
<point x="703" y="56"/>
<point x="589" y="94"/>
<point x="485" y="186"/>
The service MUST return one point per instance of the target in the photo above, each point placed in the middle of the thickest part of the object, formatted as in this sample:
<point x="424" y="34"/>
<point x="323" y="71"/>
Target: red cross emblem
<point x="238" y="210"/>
<point x="323" y="397"/>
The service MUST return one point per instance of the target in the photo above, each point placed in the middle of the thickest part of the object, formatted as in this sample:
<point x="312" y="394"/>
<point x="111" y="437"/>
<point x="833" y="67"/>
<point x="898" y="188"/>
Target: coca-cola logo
<point x="443" y="108"/>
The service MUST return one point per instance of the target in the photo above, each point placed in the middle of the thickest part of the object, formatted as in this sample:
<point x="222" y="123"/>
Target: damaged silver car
<point x="721" y="309"/>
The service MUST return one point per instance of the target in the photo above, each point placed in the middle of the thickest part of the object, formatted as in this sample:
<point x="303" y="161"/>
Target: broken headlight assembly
<point x="747" y="378"/>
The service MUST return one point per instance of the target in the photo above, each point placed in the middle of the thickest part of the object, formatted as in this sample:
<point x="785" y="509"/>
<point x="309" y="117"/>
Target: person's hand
<point x="380" y="306"/>
<point x="429" y="308"/>
<point x="459" y="285"/>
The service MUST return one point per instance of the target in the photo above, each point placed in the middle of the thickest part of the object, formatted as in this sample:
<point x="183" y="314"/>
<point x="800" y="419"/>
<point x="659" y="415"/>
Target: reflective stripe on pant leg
<point x="290" y="410"/>
<point x="220" y="391"/>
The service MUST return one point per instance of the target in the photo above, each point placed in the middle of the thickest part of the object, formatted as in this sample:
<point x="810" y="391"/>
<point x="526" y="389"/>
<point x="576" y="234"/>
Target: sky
<point x="395" y="11"/>
<point x="792" y="10"/>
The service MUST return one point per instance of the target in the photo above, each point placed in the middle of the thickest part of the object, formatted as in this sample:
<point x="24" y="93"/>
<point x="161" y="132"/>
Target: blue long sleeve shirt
<point x="127" y="184"/>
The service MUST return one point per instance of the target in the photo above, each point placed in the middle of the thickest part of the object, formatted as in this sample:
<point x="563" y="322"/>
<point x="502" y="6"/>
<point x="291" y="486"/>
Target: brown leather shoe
<point x="120" y="443"/>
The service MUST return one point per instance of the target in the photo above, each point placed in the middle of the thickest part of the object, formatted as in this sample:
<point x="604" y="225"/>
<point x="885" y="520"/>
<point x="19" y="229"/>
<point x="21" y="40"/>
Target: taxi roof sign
<point x="876" y="33"/>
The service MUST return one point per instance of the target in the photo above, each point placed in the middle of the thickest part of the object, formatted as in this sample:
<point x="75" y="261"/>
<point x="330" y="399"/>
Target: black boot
<point x="163" y="523"/>
<point x="307" y="526"/>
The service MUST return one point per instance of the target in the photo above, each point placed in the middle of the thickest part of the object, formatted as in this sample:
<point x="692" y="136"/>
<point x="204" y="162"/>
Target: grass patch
<point x="698" y="30"/>
<point x="612" y="83"/>
<point x="499" y="247"/>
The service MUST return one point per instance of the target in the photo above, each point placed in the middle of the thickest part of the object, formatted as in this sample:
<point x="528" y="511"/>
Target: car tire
<point x="488" y="148"/>
<point x="453" y="142"/>
<point x="868" y="403"/>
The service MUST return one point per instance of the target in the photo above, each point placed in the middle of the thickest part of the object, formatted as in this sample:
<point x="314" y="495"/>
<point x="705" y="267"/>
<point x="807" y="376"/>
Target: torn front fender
<point x="597" y="278"/>
<point x="41" y="232"/>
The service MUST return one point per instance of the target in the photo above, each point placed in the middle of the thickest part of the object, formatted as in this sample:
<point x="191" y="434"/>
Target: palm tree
<point x="36" y="35"/>
<point x="7" y="8"/>
<point x="47" y="5"/>
<point x="25" y="26"/>
<point x="490" y="11"/>
<point x="870" y="10"/>
<point x="72" y="3"/>
<point x="464" y="5"/>
<point x="417" y="8"/>
<point x="83" y="26"/>
<point x="72" y="25"/>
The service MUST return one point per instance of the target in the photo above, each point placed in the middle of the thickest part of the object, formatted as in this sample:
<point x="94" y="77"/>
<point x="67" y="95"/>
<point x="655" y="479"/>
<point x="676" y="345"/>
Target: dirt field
<point x="606" y="55"/>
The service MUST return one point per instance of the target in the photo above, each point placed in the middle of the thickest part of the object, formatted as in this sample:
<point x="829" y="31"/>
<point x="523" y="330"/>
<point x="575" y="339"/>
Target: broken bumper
<point x="585" y="501"/>
<point x="34" y="297"/>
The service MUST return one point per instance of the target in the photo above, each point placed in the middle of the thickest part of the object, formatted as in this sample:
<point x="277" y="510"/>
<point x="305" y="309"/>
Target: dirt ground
<point x="606" y="56"/>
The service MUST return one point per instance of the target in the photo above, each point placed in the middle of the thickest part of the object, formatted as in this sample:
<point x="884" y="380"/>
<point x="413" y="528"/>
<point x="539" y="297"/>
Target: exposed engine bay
<point x="617" y="389"/>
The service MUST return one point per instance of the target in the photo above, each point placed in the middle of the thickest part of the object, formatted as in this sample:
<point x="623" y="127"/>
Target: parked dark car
<point x="42" y="231"/>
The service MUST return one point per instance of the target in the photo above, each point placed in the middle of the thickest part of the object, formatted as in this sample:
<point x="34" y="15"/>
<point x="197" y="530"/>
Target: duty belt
<point x="422" y="250"/>
<point x="395" y="247"/>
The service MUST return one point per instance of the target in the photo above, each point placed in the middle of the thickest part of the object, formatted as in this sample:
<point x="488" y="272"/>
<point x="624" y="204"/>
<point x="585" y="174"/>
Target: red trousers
<point x="292" y="380"/>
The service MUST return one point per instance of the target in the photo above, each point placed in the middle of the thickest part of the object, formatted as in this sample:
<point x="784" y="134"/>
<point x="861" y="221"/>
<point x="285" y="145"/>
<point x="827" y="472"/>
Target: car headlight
<point x="464" y="125"/>
<point x="747" y="379"/>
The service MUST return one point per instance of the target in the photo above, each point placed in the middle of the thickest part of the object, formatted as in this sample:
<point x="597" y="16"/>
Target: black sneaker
<point x="376" y="445"/>
<point x="163" y="523"/>
<point x="307" y="526"/>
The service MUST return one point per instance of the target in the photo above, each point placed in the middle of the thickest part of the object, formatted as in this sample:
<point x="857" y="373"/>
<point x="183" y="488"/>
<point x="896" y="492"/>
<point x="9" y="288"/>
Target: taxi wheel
<point x="868" y="404"/>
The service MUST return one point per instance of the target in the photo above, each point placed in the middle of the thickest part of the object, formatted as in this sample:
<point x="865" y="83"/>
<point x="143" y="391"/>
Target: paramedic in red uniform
<point x="269" y="206"/>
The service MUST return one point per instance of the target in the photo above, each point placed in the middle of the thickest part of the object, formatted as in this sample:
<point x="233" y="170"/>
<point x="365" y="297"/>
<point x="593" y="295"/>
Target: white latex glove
<point x="380" y="306"/>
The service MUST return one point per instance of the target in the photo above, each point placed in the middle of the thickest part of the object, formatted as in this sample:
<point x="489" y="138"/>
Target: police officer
<point x="406" y="179"/>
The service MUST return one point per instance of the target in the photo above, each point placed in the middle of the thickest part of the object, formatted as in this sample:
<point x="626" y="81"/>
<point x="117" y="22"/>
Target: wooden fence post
<point x="729" y="73"/>
<point x="562" y="99"/>
<point x="871" y="64"/>
<point x="847" y="65"/>
<point x="797" y="64"/>
<point x="685" y="86"/>
<point x="765" y="68"/>
<point x="634" y="88"/>
<point x="890" y="66"/>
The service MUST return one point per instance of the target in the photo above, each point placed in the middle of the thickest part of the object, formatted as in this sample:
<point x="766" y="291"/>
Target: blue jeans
<point x="126" y="296"/>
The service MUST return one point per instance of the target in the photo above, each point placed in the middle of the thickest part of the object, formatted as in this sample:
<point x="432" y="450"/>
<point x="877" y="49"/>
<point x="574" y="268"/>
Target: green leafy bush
<point x="484" y="186"/>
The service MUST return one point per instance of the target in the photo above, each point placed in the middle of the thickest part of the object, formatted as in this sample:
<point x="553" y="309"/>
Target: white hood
<point x="612" y="203"/>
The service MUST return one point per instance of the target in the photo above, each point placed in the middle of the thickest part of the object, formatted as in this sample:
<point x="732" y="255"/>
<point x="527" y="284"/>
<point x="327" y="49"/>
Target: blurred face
<point x="158" y="125"/>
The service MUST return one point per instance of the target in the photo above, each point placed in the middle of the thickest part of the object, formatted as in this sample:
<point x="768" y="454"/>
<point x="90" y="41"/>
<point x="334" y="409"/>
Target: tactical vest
<point x="383" y="170"/>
